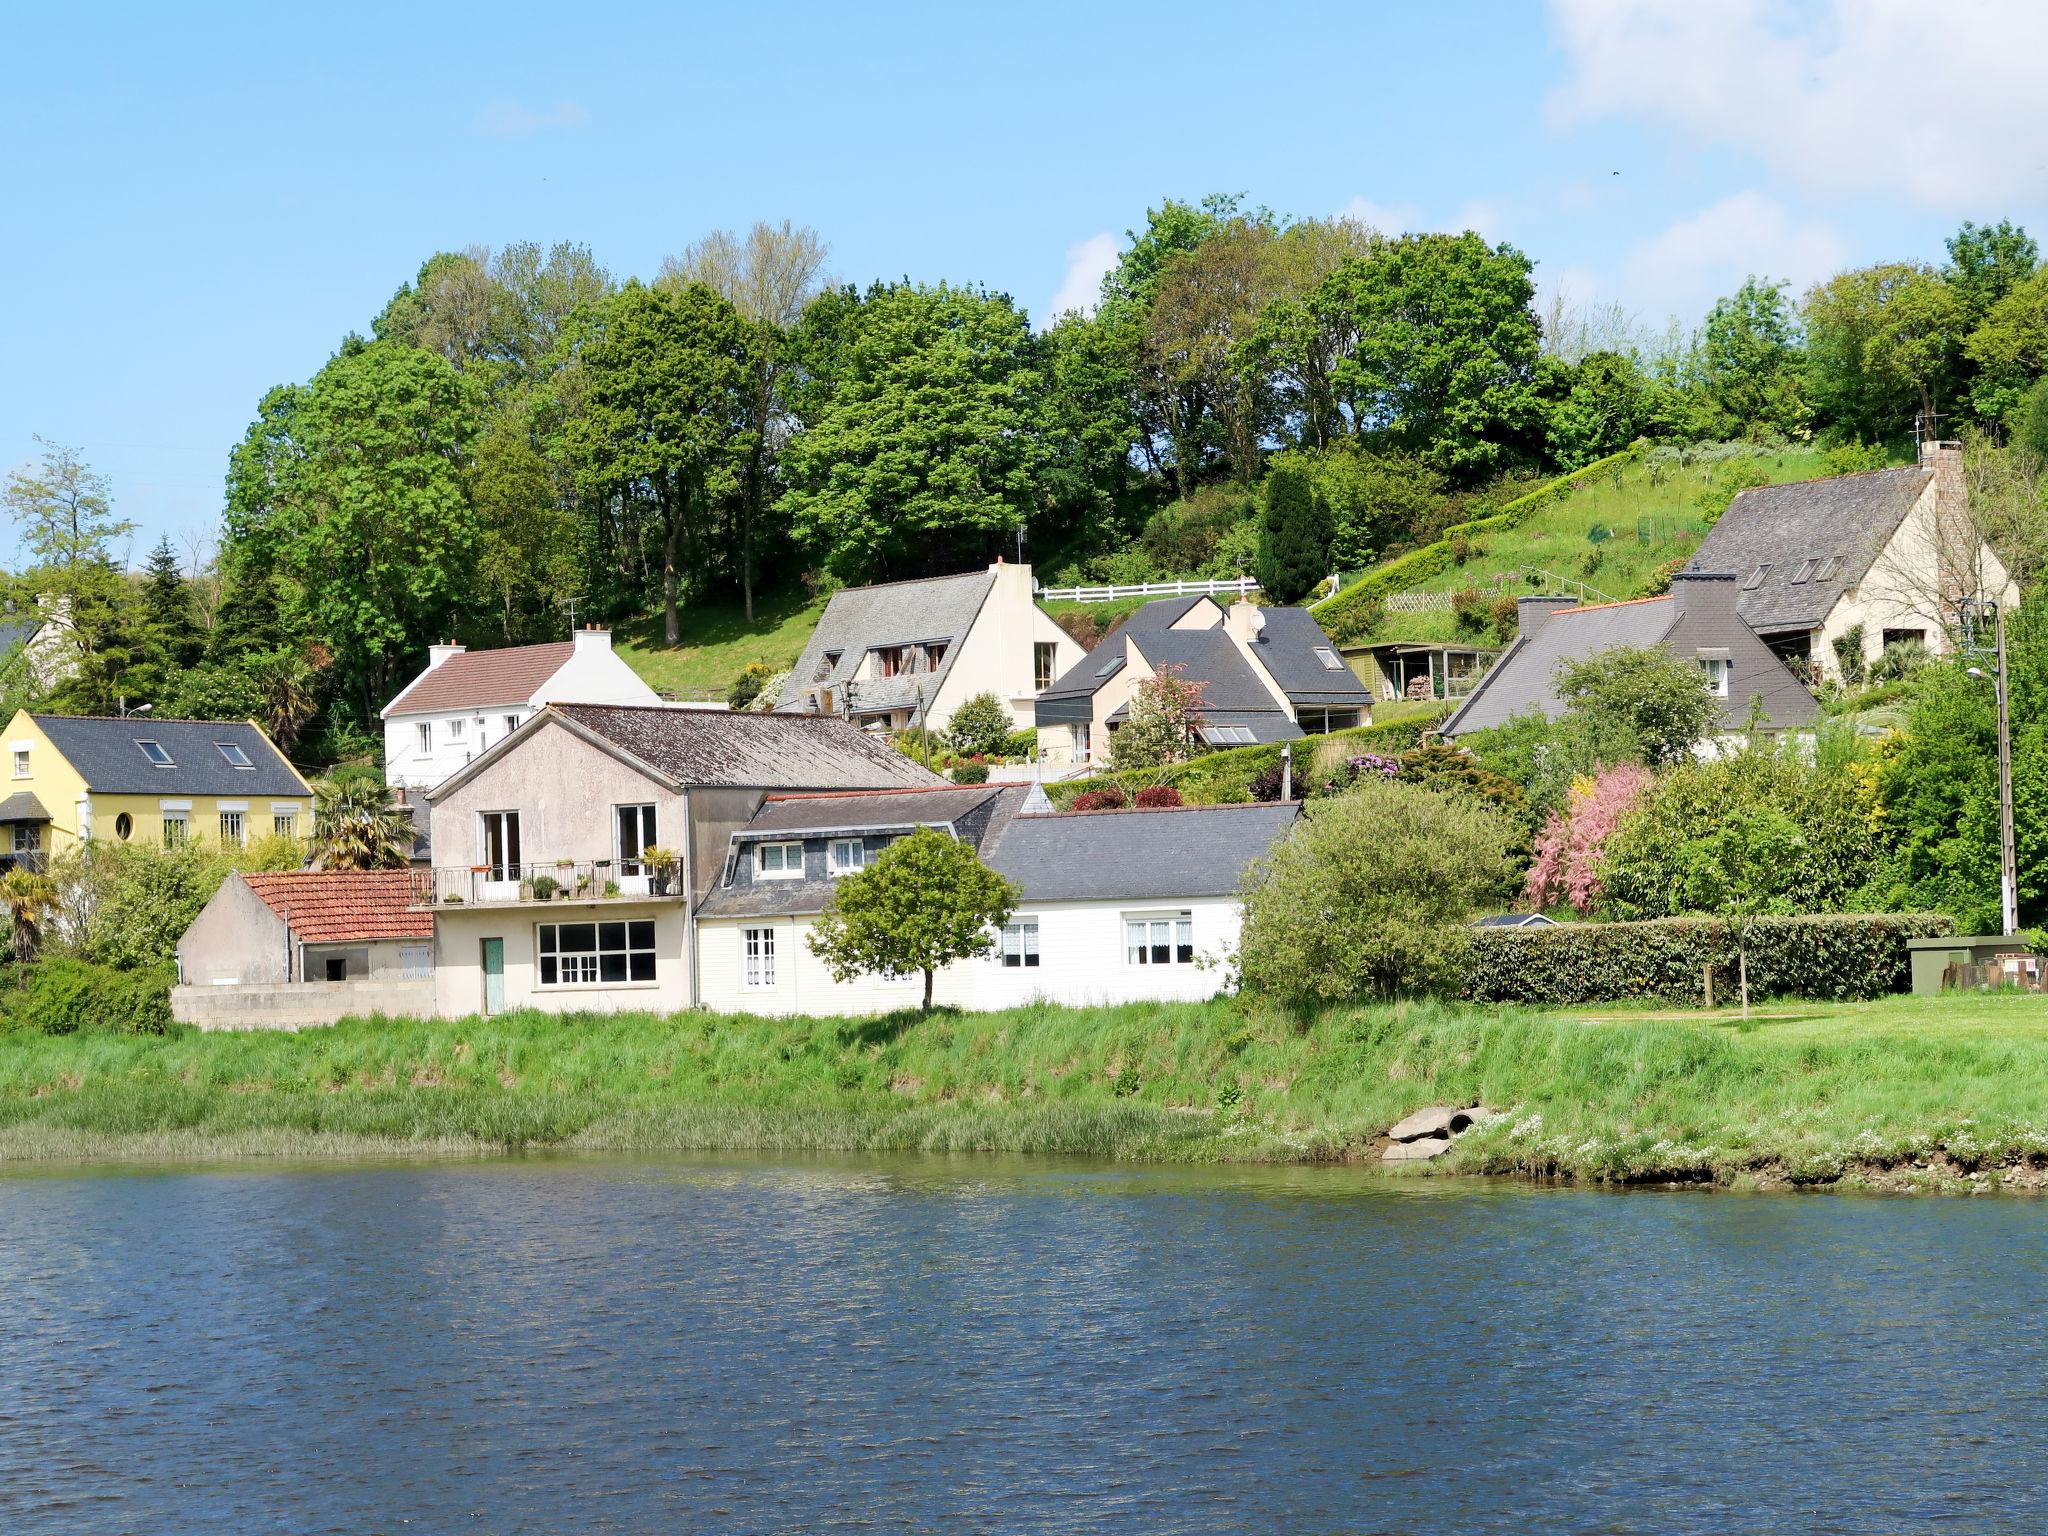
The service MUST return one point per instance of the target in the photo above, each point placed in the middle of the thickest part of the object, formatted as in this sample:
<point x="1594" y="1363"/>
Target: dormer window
<point x="934" y="654"/>
<point x="828" y="665"/>
<point x="1331" y="661"/>
<point x="154" y="751"/>
<point x="779" y="861"/>
<point x="236" y="757"/>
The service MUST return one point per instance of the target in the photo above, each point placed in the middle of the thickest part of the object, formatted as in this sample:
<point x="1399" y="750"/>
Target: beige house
<point x="1857" y="563"/>
<point x="911" y="652"/>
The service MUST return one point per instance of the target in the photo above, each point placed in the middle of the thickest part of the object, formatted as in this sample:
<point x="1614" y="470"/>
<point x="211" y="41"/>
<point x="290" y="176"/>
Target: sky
<point x="199" y="202"/>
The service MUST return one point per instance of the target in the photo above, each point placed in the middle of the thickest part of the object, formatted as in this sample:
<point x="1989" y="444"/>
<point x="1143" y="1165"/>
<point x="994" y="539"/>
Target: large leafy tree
<point x="1088" y="426"/>
<point x="1605" y="407"/>
<point x="1749" y="361"/>
<point x="1987" y="261"/>
<point x="919" y="450"/>
<point x="2010" y="348"/>
<point x="1645" y="693"/>
<point x="1883" y="343"/>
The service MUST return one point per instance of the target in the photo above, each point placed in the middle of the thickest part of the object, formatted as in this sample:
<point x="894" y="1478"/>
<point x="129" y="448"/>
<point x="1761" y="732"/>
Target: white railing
<point x="1241" y="586"/>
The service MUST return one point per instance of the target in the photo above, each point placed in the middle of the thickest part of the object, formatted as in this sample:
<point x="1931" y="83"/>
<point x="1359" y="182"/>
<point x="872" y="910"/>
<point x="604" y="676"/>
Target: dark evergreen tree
<point x="1294" y="537"/>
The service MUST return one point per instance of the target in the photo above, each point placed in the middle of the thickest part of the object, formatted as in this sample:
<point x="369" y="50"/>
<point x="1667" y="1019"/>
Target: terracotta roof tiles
<point x="335" y="906"/>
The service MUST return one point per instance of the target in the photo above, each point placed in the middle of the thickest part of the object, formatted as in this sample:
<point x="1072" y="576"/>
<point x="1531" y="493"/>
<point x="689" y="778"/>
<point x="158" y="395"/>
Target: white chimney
<point x="436" y="654"/>
<point x="1243" y="621"/>
<point x="590" y="638"/>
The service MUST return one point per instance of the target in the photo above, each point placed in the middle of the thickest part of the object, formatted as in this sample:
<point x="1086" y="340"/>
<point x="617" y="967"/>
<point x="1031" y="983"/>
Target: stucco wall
<point x="802" y="984"/>
<point x="458" y="959"/>
<point x="235" y="938"/>
<point x="299" y="1005"/>
<point x="996" y="654"/>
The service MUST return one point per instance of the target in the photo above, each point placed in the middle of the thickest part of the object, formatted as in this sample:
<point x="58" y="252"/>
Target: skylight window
<point x="1756" y="577"/>
<point x="1227" y="735"/>
<point x="1805" y="572"/>
<point x="1331" y="661"/>
<point x="236" y="757"/>
<point x="1830" y="568"/>
<point x="154" y="751"/>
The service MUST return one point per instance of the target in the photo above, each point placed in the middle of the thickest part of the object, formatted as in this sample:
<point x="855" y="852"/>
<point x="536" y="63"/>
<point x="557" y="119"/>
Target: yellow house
<point x="140" y="779"/>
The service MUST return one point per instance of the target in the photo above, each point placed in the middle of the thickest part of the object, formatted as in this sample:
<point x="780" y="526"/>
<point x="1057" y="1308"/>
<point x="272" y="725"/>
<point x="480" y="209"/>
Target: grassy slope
<point x="718" y="642"/>
<point x="1806" y="1093"/>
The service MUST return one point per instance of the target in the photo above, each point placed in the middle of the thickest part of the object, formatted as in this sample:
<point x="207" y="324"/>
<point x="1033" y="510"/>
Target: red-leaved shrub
<point x="1156" y="797"/>
<point x="1109" y="798"/>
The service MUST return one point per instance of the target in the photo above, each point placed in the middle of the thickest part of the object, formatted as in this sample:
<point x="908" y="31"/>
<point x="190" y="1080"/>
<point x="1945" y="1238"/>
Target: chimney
<point x="1700" y="593"/>
<point x="436" y="654"/>
<point x="1531" y="612"/>
<point x="590" y="638"/>
<point x="1243" y="621"/>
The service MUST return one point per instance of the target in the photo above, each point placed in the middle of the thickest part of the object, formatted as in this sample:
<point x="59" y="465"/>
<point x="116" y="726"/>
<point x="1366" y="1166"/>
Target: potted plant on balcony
<point x="544" y="887"/>
<point x="660" y="864"/>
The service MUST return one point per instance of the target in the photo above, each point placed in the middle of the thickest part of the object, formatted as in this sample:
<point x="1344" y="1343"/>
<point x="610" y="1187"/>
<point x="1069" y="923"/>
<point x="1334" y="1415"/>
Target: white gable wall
<point x="995" y="655"/>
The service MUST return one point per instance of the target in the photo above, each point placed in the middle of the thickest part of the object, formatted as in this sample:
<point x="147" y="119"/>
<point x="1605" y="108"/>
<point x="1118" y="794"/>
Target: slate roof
<point x="1286" y="648"/>
<point x="1208" y="657"/>
<point x="859" y="619"/>
<point x="721" y="747"/>
<point x="338" y="906"/>
<point x="511" y="674"/>
<point x="22" y="806"/>
<point x="867" y="810"/>
<point x="1799" y="529"/>
<point x="1159" y="855"/>
<point x="104" y="752"/>
<point x="16" y="634"/>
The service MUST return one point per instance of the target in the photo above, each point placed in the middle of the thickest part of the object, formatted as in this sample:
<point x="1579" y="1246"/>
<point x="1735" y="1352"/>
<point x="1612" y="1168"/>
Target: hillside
<point x="718" y="642"/>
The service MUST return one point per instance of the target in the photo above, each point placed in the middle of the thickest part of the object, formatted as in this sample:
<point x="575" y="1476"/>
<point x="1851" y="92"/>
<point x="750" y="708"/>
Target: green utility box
<point x="1933" y="957"/>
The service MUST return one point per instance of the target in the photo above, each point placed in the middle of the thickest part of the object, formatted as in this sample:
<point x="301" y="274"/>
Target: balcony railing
<point x="552" y="883"/>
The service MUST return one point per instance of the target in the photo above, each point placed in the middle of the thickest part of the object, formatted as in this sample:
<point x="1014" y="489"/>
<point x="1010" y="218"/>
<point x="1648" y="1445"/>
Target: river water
<point x="960" y="1345"/>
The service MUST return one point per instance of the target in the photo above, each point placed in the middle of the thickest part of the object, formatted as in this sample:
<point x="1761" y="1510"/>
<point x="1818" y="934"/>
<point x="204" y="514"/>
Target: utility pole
<point x="1974" y="614"/>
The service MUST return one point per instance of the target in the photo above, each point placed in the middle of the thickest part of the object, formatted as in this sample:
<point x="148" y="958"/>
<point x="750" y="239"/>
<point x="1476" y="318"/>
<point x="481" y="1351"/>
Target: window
<point x="934" y="654"/>
<point x="1830" y="568"/>
<point x="416" y="962"/>
<point x="596" y="954"/>
<point x="337" y="967"/>
<point x="21" y="762"/>
<point x="759" y="944"/>
<point x="827" y="665"/>
<point x="231" y="829"/>
<point x="890" y="660"/>
<point x="154" y="751"/>
<point x="780" y="861"/>
<point x="124" y="824"/>
<point x="236" y="757"/>
<point x="1331" y="661"/>
<point x="1083" y="736"/>
<point x="849" y="856"/>
<point x="177" y="831"/>
<point x="455" y="730"/>
<point x="1164" y="939"/>
<point x="511" y="724"/>
<point x="424" y="737"/>
<point x="28" y="837"/>
<point x="1717" y="670"/>
<point x="633" y="826"/>
<point x="284" y="824"/>
<point x="1805" y="572"/>
<point x="1020" y="942"/>
<point x="1226" y="735"/>
<point x="1044" y="656"/>
<point x="1894" y="637"/>
<point x="499" y="841"/>
<point x="1756" y="577"/>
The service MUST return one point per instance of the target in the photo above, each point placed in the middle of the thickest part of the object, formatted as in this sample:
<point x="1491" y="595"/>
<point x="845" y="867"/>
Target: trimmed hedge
<point x="1341" y="613"/>
<point x="1833" y="957"/>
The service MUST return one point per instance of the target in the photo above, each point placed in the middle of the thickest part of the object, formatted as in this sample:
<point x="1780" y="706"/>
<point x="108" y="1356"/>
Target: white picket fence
<point x="1241" y="586"/>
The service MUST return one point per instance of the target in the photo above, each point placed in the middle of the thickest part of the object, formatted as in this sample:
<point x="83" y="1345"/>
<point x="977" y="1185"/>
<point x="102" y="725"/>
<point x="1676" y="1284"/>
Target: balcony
<point x="565" y="882"/>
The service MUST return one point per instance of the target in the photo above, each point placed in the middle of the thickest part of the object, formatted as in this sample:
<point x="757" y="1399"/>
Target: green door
<point x="494" y="975"/>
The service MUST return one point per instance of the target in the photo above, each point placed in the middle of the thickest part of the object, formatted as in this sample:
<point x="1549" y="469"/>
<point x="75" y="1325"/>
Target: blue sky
<point x="198" y="204"/>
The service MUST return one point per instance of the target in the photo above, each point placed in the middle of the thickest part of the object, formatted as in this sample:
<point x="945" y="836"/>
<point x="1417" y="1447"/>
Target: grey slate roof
<point x="1162" y="855"/>
<point x="1208" y="657"/>
<point x="1286" y="648"/>
<point x="869" y="810"/>
<point x="16" y="633"/>
<point x="22" y="806"/>
<point x="858" y="619"/>
<point x="721" y="747"/>
<point x="1847" y="519"/>
<point x="103" y="749"/>
<point x="1086" y="675"/>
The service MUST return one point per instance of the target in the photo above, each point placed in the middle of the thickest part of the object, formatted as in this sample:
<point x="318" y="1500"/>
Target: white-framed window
<point x="283" y="824"/>
<point x="154" y="751"/>
<point x="236" y="757"/>
<point x="1717" y="669"/>
<point x="1159" y="938"/>
<point x="21" y="762"/>
<point x="1044" y="656"/>
<point x="231" y="829"/>
<point x="416" y="962"/>
<point x="511" y="724"/>
<point x="1019" y="946"/>
<point x="1331" y="661"/>
<point x="758" y="944"/>
<point x="423" y="737"/>
<point x="177" y="829"/>
<point x="849" y="856"/>
<point x="455" y="730"/>
<point x="498" y="840"/>
<point x="596" y="954"/>
<point x="633" y="835"/>
<point x="779" y="861"/>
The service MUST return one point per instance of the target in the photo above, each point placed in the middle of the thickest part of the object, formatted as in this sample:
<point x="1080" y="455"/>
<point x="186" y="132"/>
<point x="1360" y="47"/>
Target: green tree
<point x="527" y="536"/>
<point x="1750" y="362"/>
<point x="1160" y="727"/>
<point x="1369" y="895"/>
<point x="2010" y="348"/>
<point x="1606" y="408"/>
<point x="1986" y="261"/>
<point x="1883" y="343"/>
<point x="926" y="901"/>
<point x="980" y="725"/>
<point x="1374" y="499"/>
<point x="1644" y="693"/>
<point x="63" y="510"/>
<point x="1087" y="429"/>
<point x="357" y="824"/>
<point x="1294" y="537"/>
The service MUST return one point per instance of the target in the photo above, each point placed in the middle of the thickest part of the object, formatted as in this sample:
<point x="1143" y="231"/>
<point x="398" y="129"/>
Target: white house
<point x="908" y="652"/>
<point x="468" y="701"/>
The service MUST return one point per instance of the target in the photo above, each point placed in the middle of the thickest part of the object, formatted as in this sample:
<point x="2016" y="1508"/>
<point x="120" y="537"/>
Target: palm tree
<point x="358" y="825"/>
<point x="30" y="898"/>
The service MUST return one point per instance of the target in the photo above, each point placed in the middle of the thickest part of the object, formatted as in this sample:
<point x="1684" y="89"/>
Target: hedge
<point x="62" y="996"/>
<point x="1225" y="778"/>
<point x="1342" y="613"/>
<point x="1833" y="957"/>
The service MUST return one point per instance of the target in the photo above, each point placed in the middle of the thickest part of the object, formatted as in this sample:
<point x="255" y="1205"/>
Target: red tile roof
<point x="475" y="679"/>
<point x="331" y="906"/>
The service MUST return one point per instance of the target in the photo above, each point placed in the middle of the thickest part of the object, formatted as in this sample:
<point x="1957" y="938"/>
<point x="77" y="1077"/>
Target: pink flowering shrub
<point x="1568" y="849"/>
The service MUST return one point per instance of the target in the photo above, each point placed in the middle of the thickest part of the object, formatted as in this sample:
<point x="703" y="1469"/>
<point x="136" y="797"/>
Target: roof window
<point x="1226" y="735"/>
<point x="1805" y="572"/>
<point x="1331" y="661"/>
<point x="236" y="757"/>
<point x="1756" y="577"/>
<point x="1830" y="568"/>
<point x="154" y="751"/>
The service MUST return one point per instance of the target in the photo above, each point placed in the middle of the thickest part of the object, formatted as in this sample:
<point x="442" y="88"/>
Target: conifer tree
<point x="1294" y="537"/>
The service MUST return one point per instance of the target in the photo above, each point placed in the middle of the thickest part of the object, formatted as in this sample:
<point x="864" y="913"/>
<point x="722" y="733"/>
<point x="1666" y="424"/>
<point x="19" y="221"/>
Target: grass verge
<point x="717" y="641"/>
<point x="1901" y="1093"/>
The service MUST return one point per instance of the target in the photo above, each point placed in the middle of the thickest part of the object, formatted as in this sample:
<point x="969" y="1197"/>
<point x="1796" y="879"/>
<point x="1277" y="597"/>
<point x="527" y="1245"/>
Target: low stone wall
<point x="298" y="1005"/>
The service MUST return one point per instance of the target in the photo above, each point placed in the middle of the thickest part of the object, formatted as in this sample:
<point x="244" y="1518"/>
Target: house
<point x="1697" y="621"/>
<point x="1858" y="562"/>
<point x="139" y="778"/>
<point x="569" y="855"/>
<point x="1117" y="906"/>
<point x="1421" y="669"/>
<point x="467" y="701"/>
<point x="909" y="653"/>
<point x="1267" y="674"/>
<point x="305" y="947"/>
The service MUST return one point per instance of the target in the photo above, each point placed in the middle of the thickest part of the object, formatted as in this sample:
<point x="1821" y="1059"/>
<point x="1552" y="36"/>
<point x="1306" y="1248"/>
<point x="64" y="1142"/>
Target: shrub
<point x="1160" y="727"/>
<point x="1109" y="798"/>
<point x="770" y="692"/>
<point x="1369" y="894"/>
<point x="971" y="773"/>
<point x="66" y="996"/>
<point x="1155" y="797"/>
<point x="1658" y="582"/>
<point x="747" y="686"/>
<point x="1725" y="484"/>
<point x="1022" y="744"/>
<point x="1471" y="612"/>
<point x="1574" y="840"/>
<point x="1855" y="458"/>
<point x="1658" y="697"/>
<point x="1831" y="957"/>
<point x="1454" y="771"/>
<point x="979" y="725"/>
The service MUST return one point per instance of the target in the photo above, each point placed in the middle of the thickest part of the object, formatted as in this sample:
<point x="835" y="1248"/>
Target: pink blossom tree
<point x="1568" y="849"/>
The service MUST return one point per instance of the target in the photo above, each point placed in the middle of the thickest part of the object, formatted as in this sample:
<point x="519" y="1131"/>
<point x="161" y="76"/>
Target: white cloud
<point x="513" y="120"/>
<point x="1087" y="265"/>
<point x="1482" y="218"/>
<point x="1939" y="104"/>
<point x="1387" y="218"/>
<point x="1704" y="255"/>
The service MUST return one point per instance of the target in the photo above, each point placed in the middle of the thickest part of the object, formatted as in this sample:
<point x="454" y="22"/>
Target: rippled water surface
<point x="956" y="1346"/>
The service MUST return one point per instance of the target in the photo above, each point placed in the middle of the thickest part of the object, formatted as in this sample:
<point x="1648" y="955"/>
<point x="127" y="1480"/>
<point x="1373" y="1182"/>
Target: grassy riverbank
<point x="1892" y="1093"/>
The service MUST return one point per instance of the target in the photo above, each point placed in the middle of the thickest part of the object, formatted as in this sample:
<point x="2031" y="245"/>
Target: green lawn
<point x="718" y="642"/>
<point x="1901" y="1093"/>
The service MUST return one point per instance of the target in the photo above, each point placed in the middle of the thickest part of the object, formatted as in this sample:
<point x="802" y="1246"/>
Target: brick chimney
<point x="1704" y="592"/>
<point x="436" y="654"/>
<point x="1531" y="612"/>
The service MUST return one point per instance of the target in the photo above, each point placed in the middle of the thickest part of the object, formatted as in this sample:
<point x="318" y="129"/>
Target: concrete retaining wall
<point x="298" y="1005"/>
